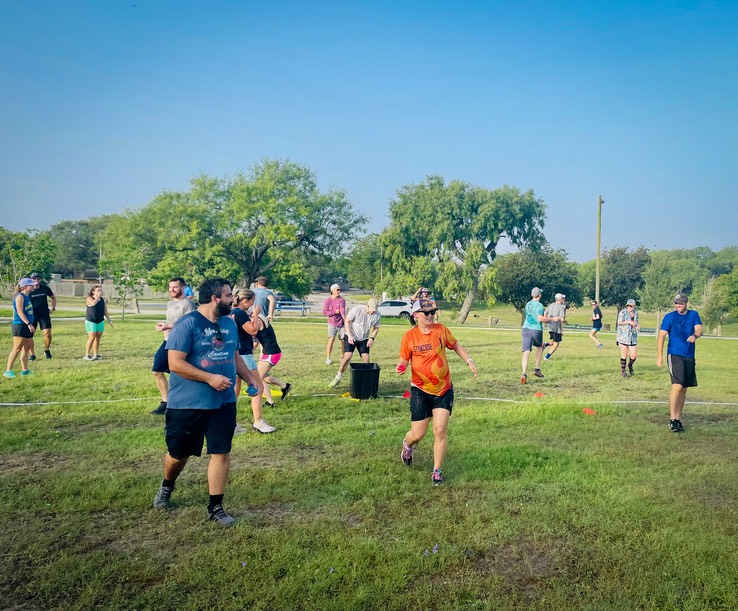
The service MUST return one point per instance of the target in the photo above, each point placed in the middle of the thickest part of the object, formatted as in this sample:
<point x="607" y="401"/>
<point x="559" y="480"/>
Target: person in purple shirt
<point x="684" y="328"/>
<point x="334" y="307"/>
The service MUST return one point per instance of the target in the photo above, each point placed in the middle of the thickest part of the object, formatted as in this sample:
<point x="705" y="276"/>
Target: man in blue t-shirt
<point x="203" y="363"/>
<point x="533" y="332"/>
<point x="684" y="327"/>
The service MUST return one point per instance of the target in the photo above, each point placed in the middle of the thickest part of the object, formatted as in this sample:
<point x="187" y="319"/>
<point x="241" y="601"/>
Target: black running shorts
<point x="682" y="370"/>
<point x="185" y="430"/>
<point x="422" y="404"/>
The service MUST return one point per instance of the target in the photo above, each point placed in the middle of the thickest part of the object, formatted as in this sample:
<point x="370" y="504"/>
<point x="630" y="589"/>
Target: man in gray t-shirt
<point x="362" y="327"/>
<point x="555" y="328"/>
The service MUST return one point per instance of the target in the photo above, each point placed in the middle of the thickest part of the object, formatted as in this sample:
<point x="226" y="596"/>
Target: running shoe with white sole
<point x="262" y="426"/>
<point x="219" y="515"/>
<point x="407" y="454"/>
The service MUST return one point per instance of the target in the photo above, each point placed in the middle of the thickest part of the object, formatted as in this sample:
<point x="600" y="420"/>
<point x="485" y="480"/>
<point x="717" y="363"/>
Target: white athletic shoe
<point x="263" y="427"/>
<point x="336" y="381"/>
<point x="328" y="361"/>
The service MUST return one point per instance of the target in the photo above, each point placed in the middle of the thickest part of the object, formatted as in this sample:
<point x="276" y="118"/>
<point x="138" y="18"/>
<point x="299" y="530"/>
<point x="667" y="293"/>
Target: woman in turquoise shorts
<point x="95" y="317"/>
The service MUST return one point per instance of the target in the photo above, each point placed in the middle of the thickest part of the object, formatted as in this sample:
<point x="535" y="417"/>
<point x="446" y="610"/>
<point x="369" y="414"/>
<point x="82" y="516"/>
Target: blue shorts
<point x="249" y="360"/>
<point x="532" y="337"/>
<point x="186" y="429"/>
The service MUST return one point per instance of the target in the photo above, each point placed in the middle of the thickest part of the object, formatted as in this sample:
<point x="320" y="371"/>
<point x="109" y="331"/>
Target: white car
<point x="396" y="307"/>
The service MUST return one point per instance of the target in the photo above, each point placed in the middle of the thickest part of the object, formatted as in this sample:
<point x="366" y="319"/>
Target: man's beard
<point x="221" y="309"/>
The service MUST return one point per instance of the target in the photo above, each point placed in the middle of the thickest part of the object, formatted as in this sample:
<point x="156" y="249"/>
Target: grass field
<point x="544" y="507"/>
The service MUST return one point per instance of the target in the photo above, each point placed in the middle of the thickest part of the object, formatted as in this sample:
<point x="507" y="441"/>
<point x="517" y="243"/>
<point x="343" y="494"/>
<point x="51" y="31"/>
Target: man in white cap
<point x="334" y="307"/>
<point x="362" y="327"/>
<point x="556" y="328"/>
<point x="533" y="333"/>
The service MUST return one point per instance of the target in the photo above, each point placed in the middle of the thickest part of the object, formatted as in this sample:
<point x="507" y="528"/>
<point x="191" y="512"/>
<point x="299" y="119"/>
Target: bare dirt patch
<point x="31" y="462"/>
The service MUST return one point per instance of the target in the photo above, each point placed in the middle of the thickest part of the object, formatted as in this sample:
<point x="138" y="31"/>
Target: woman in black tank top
<point x="95" y="316"/>
<point x="270" y="356"/>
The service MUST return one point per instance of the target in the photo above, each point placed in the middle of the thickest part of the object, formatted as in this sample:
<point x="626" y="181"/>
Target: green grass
<point x="544" y="507"/>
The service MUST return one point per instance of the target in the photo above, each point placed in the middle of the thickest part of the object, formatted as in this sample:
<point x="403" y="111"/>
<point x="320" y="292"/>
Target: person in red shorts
<point x="431" y="392"/>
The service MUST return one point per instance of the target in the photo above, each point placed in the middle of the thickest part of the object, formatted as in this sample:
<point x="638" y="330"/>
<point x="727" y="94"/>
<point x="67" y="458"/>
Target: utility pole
<point x="600" y="201"/>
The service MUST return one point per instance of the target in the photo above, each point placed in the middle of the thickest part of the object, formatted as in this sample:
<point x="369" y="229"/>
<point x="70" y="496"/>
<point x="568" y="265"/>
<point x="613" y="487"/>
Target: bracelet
<point x="469" y="361"/>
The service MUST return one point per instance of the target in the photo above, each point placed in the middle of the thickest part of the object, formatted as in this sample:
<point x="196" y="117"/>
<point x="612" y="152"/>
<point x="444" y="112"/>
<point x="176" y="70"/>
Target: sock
<point x="167" y="483"/>
<point x="215" y="499"/>
<point x="630" y="363"/>
<point x="622" y="365"/>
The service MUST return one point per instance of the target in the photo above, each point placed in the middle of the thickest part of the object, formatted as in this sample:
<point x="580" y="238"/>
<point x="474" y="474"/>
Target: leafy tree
<point x="365" y="264"/>
<point x="587" y="273"/>
<point x="268" y="222"/>
<point x="621" y="274"/>
<point x="124" y="260"/>
<point x="454" y="229"/>
<point x="21" y="253"/>
<point x="661" y="282"/>
<point x="713" y="306"/>
<point x="724" y="261"/>
<point x="78" y="244"/>
<point x="548" y="269"/>
<point x="728" y="284"/>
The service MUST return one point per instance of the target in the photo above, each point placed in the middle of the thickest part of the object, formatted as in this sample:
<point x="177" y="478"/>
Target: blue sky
<point x="104" y="104"/>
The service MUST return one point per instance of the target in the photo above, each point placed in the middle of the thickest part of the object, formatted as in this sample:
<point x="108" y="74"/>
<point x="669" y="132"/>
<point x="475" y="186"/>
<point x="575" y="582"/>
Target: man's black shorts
<point x="362" y="345"/>
<point x="21" y="330"/>
<point x="161" y="359"/>
<point x="555" y="337"/>
<point x="422" y="404"/>
<point x="43" y="321"/>
<point x="682" y="370"/>
<point x="185" y="430"/>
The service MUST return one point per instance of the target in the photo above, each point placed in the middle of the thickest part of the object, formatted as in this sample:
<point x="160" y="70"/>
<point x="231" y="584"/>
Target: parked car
<point x="396" y="307"/>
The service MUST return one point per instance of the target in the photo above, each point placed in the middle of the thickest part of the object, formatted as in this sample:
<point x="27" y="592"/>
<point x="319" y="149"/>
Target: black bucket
<point x="364" y="380"/>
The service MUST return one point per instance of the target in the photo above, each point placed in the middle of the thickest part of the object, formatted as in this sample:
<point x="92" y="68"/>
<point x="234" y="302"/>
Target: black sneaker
<point x="32" y="357"/>
<point x="47" y="354"/>
<point x="161" y="410"/>
<point x="538" y="373"/>
<point x="630" y="370"/>
<point x="161" y="500"/>
<point x="219" y="515"/>
<point x="674" y="426"/>
<point x="286" y="390"/>
<point x="680" y="425"/>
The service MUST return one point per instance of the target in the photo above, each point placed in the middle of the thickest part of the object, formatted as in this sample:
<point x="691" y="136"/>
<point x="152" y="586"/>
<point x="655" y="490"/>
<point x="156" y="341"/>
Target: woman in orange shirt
<point x="431" y="391"/>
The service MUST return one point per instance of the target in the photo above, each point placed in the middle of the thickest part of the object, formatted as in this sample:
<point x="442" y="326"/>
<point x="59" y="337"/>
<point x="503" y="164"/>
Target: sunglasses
<point x="429" y="313"/>
<point x="630" y="306"/>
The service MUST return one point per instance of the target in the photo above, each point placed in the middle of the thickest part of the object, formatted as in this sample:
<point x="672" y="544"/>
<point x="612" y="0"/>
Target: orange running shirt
<point x="427" y="356"/>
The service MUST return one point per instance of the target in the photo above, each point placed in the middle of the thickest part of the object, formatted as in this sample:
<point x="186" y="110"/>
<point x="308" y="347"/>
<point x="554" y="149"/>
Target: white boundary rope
<point x="491" y="399"/>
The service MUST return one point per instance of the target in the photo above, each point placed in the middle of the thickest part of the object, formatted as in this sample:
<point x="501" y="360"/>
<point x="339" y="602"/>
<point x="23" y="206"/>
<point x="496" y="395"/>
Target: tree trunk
<point x="468" y="301"/>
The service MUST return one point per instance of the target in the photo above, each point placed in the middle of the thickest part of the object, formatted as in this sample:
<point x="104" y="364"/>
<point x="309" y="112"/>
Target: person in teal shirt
<point x="533" y="332"/>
